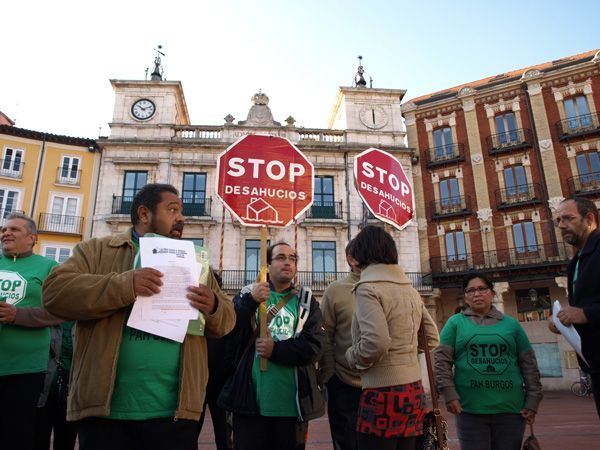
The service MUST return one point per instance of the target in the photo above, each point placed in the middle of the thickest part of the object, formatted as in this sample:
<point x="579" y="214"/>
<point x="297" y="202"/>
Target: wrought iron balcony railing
<point x="509" y="140"/>
<point x="57" y="223"/>
<point x="198" y="207"/>
<point x="521" y="194"/>
<point x="234" y="280"/>
<point x="444" y="154"/>
<point x="578" y="126"/>
<point x="121" y="205"/>
<point x="325" y="210"/>
<point x="501" y="259"/>
<point x="67" y="176"/>
<point x="12" y="168"/>
<point x="451" y="206"/>
<point x="588" y="184"/>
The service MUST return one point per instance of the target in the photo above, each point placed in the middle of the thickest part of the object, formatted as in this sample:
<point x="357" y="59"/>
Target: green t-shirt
<point x="276" y="388"/>
<point x="23" y="349"/>
<point x="147" y="379"/>
<point x="486" y="373"/>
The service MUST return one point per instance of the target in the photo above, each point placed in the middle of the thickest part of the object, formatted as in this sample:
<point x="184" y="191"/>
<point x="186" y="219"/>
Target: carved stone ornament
<point x="410" y="106"/>
<point x="477" y="158"/>
<point x="596" y="57"/>
<point x="553" y="203"/>
<point x="529" y="74"/>
<point x="467" y="90"/>
<point x="484" y="214"/>
<point x="290" y="121"/>
<point x="545" y="145"/>
<point x="229" y="119"/>
<point x="260" y="114"/>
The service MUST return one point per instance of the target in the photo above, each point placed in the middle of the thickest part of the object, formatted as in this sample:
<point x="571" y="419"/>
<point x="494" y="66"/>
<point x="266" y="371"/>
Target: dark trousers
<point x="151" y="434"/>
<point x="342" y="409"/>
<point x="268" y="433"/>
<point x="490" y="431"/>
<point x="52" y="416"/>
<point x="371" y="442"/>
<point x="221" y="428"/>
<point x="19" y="395"/>
<point x="595" y="377"/>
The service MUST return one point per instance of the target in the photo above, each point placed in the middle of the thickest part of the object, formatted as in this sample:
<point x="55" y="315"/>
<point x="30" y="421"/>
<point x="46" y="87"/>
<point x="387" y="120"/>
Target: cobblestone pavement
<point x="564" y="422"/>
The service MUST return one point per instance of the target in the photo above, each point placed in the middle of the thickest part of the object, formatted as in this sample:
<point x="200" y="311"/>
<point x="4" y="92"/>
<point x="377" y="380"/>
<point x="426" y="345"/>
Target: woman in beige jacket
<point x="388" y="314"/>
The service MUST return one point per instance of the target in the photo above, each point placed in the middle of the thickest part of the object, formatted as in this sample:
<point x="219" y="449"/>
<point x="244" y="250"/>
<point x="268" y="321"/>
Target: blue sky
<point x="58" y="56"/>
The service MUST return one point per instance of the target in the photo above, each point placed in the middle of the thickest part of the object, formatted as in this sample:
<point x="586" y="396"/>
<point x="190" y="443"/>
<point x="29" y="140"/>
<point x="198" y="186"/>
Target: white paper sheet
<point x="177" y="261"/>
<point x="170" y="329"/>
<point x="569" y="332"/>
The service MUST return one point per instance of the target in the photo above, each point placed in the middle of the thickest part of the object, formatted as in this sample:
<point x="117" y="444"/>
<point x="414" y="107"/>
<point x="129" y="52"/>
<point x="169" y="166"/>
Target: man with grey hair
<point x="24" y="332"/>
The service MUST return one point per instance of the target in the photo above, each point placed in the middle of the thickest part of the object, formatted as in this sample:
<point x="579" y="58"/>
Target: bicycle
<point x="583" y="387"/>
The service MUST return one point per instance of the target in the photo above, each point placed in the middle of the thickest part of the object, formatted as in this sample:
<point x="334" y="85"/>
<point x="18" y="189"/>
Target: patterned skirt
<point x="393" y="411"/>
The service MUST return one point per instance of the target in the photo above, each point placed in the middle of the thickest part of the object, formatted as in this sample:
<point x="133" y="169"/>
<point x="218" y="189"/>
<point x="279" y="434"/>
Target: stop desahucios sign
<point x="384" y="187"/>
<point x="264" y="180"/>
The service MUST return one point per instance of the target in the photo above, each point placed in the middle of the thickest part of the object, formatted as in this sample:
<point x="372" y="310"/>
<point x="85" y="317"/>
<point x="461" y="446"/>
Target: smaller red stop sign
<point x="384" y="187"/>
<point x="264" y="180"/>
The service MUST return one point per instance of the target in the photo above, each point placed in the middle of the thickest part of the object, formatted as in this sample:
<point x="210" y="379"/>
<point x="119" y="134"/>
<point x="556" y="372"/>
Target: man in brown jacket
<point x="343" y="382"/>
<point x="130" y="389"/>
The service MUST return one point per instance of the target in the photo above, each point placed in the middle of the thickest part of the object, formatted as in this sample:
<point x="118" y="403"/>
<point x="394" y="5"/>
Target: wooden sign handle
<point x="262" y="278"/>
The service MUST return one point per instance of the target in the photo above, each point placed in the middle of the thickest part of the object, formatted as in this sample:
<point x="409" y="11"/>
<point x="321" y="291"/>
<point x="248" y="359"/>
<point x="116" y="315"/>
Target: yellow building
<point x="52" y="179"/>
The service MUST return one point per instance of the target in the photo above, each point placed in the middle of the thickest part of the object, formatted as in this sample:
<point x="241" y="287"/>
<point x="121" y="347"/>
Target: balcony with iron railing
<point x="325" y="211"/>
<point x="58" y="223"/>
<point x="578" y="126"/>
<point x="450" y="207"/>
<point x="588" y="184"/>
<point x="444" y="154"/>
<point x="516" y="260"/>
<point x="519" y="195"/>
<point x="197" y="207"/>
<point x="68" y="177"/>
<point x="12" y="168"/>
<point x="121" y="205"/>
<point x="509" y="141"/>
<point x="234" y="280"/>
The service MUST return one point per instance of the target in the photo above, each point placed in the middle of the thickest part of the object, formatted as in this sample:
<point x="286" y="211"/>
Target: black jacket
<point x="587" y="296"/>
<point x="302" y="351"/>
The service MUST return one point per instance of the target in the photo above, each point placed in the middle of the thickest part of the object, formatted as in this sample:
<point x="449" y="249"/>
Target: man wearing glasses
<point x="271" y="408"/>
<point x="577" y="219"/>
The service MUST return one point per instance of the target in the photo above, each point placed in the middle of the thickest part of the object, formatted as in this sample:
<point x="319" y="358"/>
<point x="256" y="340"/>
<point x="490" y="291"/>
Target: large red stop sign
<point x="384" y="187"/>
<point x="264" y="180"/>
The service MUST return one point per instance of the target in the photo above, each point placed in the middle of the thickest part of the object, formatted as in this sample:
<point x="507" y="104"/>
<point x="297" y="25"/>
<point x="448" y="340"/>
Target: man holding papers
<point x="131" y="389"/>
<point x="577" y="219"/>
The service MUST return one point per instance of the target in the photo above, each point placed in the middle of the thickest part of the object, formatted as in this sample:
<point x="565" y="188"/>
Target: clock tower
<point x="368" y="112"/>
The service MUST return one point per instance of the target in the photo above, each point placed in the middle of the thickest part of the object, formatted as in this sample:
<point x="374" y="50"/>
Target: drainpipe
<point x="96" y="191"/>
<point x="347" y="194"/>
<point x="38" y="177"/>
<point x="538" y="157"/>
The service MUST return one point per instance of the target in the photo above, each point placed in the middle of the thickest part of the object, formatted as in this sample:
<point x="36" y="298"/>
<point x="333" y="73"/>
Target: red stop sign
<point x="264" y="180"/>
<point x="384" y="187"/>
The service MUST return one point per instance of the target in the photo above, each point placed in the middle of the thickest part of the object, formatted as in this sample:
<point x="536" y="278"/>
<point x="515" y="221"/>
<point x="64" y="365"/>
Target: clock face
<point x="143" y="109"/>
<point x="373" y="116"/>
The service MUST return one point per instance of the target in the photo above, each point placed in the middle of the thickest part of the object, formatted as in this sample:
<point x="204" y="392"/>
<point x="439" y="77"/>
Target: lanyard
<point x="576" y="272"/>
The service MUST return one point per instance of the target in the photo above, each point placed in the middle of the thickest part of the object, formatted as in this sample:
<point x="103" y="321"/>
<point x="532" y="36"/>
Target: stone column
<point x="431" y="303"/>
<point x="500" y="288"/>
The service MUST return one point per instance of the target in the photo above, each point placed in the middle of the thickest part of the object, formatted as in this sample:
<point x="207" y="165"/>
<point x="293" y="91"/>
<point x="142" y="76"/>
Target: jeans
<point x="490" y="431"/>
<point x="342" y="409"/>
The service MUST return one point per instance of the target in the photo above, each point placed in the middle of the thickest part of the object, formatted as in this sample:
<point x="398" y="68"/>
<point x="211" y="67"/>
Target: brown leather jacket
<point x="95" y="287"/>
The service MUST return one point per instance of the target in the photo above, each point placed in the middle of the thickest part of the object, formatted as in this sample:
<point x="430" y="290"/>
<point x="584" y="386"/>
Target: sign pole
<point x="262" y="278"/>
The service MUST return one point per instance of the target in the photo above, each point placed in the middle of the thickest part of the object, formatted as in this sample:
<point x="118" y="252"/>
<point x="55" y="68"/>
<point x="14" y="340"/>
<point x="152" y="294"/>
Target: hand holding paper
<point x="568" y="332"/>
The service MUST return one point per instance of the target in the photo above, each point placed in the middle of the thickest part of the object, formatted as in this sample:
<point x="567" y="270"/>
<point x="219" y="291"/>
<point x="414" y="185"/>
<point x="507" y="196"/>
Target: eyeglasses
<point x="564" y="219"/>
<point x="481" y="290"/>
<point x="284" y="258"/>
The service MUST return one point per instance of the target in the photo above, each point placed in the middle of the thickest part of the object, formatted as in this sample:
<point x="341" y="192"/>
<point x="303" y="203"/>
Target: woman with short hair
<point x="388" y="314"/>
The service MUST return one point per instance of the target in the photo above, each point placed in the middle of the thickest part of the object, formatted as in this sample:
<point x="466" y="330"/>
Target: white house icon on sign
<point x="387" y="210"/>
<point x="259" y="209"/>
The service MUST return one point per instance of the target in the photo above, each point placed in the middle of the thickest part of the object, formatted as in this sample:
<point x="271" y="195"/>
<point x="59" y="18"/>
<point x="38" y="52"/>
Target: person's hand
<point x="146" y="281"/>
<point x="264" y="346"/>
<point x="261" y="292"/>
<point x="552" y="326"/>
<point x="528" y="415"/>
<point x="8" y="313"/>
<point x="454" y="407"/>
<point x="202" y="298"/>
<point x="569" y="315"/>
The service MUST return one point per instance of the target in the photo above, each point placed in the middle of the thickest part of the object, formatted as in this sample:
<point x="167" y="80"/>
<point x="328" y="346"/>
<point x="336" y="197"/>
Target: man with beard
<point x="130" y="389"/>
<point x="577" y="219"/>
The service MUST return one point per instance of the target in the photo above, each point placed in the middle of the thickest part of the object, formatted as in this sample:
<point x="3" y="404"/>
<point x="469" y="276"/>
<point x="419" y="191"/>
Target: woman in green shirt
<point x="495" y="388"/>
